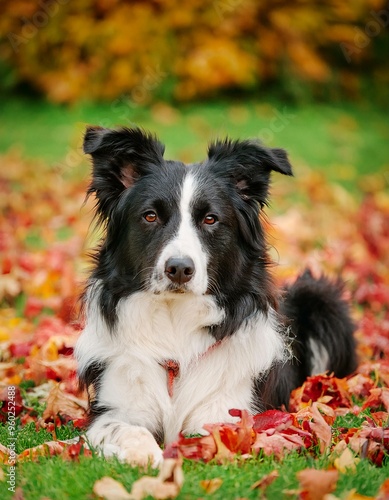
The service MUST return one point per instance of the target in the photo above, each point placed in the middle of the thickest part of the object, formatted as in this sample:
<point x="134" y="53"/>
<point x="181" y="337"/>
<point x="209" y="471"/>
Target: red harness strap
<point x="172" y="367"/>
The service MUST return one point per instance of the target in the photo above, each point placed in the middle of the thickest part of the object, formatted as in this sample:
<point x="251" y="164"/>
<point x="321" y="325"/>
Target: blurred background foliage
<point x="71" y="51"/>
<point x="307" y="75"/>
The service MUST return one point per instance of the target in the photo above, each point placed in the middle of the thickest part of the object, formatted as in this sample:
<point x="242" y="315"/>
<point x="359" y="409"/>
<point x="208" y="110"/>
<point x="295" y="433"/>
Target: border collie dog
<point x="183" y="321"/>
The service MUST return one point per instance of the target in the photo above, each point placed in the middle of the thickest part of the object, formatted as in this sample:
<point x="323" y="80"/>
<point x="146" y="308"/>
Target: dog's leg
<point x="130" y="443"/>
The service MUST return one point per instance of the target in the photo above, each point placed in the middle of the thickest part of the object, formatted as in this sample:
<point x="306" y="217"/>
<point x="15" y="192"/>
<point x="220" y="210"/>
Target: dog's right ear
<point x="120" y="157"/>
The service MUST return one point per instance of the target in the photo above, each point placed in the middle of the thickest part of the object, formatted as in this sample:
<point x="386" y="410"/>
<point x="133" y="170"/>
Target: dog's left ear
<point x="248" y="165"/>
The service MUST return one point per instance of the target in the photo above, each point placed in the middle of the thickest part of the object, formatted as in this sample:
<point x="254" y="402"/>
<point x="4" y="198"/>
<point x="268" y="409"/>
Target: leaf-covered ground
<point x="338" y="426"/>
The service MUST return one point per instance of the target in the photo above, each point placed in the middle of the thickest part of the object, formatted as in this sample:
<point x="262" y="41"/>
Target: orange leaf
<point x="317" y="483"/>
<point x="50" y="449"/>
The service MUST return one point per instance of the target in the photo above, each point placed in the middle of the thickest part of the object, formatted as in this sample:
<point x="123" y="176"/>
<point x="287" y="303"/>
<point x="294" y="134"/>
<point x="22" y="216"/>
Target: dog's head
<point x="172" y="227"/>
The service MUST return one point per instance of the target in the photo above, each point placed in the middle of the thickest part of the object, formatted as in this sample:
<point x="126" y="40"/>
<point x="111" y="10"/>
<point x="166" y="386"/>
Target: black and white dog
<point x="183" y="321"/>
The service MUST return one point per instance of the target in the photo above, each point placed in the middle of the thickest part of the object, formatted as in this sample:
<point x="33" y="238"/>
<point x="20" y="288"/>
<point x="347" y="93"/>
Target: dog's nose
<point x="179" y="269"/>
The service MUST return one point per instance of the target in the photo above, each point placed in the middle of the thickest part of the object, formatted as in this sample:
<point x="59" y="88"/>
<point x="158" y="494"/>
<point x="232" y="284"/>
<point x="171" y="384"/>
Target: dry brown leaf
<point x="167" y="484"/>
<point x="211" y="485"/>
<point x="171" y="470"/>
<point x="59" y="402"/>
<point x="152" y="486"/>
<point x="110" y="489"/>
<point x="265" y="481"/>
<point x="346" y="462"/>
<point x="320" y="427"/>
<point x="314" y="484"/>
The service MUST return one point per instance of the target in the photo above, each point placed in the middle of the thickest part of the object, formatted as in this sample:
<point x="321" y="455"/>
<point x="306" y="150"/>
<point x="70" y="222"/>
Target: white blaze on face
<point x="185" y="243"/>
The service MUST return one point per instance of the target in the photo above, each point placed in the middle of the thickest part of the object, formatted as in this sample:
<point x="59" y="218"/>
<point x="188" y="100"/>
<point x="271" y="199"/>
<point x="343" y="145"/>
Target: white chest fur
<point x="152" y="328"/>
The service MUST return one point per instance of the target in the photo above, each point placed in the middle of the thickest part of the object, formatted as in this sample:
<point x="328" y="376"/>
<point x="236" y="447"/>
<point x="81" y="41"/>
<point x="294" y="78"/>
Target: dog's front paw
<point x="140" y="448"/>
<point x="132" y="444"/>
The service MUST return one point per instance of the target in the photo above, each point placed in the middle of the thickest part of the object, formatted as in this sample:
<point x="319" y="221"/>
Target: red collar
<point x="172" y="367"/>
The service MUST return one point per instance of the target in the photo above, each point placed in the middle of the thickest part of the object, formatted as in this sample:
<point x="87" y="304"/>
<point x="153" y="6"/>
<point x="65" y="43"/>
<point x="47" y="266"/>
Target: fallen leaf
<point x="239" y="436"/>
<point x="59" y="402"/>
<point x="272" y="419"/>
<point x="379" y="396"/>
<point x="276" y="444"/>
<point x="151" y="486"/>
<point x="73" y="450"/>
<point x="166" y="485"/>
<point x="211" y="485"/>
<point x="265" y="481"/>
<point x="315" y="483"/>
<point x="4" y="453"/>
<point x="196" y="448"/>
<point x="353" y="495"/>
<point x="110" y="489"/>
<point x="359" y="385"/>
<point x="346" y="462"/>
<point x="48" y="449"/>
<point x="223" y="453"/>
<point x="322" y="388"/>
<point x="317" y="423"/>
<point x="383" y="492"/>
<point x="18" y="495"/>
<point x="8" y="400"/>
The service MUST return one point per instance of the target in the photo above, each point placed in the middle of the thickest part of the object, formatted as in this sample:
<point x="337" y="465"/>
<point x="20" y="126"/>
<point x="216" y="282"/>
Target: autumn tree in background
<point x="102" y="49"/>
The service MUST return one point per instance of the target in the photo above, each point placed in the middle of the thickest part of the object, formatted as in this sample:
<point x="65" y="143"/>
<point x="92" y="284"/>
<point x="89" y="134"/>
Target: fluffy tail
<point x="321" y="325"/>
<point x="322" y="332"/>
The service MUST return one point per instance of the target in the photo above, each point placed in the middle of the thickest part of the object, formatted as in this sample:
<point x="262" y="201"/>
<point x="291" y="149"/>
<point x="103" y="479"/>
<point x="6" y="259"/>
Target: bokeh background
<point x="311" y="76"/>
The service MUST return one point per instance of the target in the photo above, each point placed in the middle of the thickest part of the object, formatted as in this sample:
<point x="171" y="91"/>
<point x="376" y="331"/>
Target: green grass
<point x="57" y="479"/>
<point x="345" y="141"/>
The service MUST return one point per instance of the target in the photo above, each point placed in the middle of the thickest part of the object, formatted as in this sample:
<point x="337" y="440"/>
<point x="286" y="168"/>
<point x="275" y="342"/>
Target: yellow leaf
<point x="211" y="485"/>
<point x="346" y="462"/>
<point x="354" y="495"/>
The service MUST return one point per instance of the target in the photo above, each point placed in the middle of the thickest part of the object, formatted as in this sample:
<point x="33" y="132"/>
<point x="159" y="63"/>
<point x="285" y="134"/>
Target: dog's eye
<point x="210" y="219"/>
<point x="150" y="216"/>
